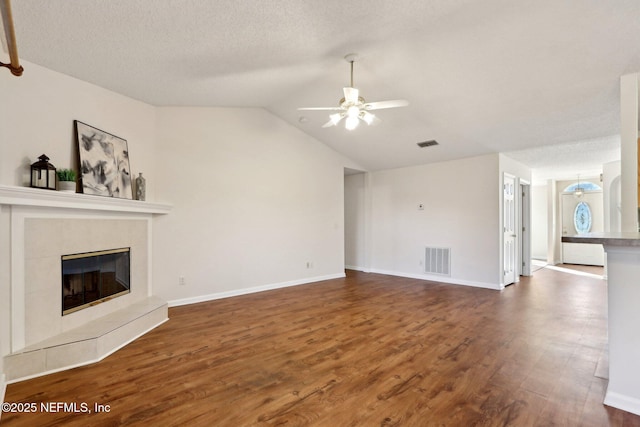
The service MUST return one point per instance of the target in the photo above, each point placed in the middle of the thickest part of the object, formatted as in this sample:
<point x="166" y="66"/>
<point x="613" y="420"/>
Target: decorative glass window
<point x="582" y="218"/>
<point x="585" y="185"/>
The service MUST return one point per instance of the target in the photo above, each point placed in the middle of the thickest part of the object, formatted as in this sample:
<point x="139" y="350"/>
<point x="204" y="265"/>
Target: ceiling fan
<point x="353" y="107"/>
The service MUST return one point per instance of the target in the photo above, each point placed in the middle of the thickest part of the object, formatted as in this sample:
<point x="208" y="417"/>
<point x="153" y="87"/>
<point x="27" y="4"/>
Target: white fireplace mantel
<point x="26" y="196"/>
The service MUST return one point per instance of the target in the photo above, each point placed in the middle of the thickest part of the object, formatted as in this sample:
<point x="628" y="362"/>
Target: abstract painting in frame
<point x="104" y="162"/>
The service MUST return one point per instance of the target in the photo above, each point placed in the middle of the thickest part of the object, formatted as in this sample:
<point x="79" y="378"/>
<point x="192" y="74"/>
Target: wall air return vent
<point x="437" y="261"/>
<point x="431" y="143"/>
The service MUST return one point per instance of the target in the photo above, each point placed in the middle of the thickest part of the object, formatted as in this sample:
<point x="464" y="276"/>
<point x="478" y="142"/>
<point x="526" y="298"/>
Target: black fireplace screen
<point x="91" y="278"/>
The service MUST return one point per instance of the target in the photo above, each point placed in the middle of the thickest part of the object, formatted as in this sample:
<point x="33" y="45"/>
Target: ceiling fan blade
<point x="386" y="104"/>
<point x="351" y="95"/>
<point x="320" y="108"/>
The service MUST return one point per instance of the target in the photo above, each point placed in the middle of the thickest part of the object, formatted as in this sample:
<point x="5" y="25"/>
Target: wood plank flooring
<point x="367" y="350"/>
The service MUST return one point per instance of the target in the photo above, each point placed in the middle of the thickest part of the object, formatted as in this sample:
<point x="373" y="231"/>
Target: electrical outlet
<point x="309" y="264"/>
<point x="181" y="281"/>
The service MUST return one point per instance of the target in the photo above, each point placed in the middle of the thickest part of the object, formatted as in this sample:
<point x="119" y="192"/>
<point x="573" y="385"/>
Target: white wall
<point x="539" y="223"/>
<point x="629" y="125"/>
<point x="554" y="256"/>
<point x="254" y="198"/>
<point x="37" y="115"/>
<point x="612" y="192"/>
<point x="461" y="212"/>
<point x="515" y="168"/>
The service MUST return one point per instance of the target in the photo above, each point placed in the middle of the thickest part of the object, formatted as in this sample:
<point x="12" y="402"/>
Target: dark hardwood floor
<point x="368" y="350"/>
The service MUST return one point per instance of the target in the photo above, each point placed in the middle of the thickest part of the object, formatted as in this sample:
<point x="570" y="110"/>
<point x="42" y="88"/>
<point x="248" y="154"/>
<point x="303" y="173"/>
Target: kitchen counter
<point x="612" y="239"/>
<point x="623" y="293"/>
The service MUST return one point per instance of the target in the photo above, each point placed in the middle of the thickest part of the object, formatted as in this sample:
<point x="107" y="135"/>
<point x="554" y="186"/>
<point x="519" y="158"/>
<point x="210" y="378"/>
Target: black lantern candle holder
<point x="43" y="174"/>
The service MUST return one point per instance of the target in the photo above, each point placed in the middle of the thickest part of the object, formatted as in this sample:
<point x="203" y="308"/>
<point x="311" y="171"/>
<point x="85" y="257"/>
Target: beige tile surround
<point x="46" y="240"/>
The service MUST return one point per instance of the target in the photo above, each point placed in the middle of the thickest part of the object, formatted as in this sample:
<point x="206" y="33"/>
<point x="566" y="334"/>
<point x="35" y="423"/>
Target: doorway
<point x="509" y="229"/>
<point x="582" y="215"/>
<point x="516" y="229"/>
<point x="355" y="219"/>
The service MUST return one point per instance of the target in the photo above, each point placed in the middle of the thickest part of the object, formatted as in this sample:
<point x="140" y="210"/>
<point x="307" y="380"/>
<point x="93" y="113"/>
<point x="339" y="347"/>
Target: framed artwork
<point x="104" y="162"/>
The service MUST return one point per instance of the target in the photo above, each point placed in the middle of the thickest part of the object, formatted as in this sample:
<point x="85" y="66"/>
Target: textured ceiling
<point x="480" y="76"/>
<point x="567" y="161"/>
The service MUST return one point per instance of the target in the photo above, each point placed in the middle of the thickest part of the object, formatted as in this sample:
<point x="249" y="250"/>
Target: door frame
<point x="524" y="244"/>
<point x="513" y="253"/>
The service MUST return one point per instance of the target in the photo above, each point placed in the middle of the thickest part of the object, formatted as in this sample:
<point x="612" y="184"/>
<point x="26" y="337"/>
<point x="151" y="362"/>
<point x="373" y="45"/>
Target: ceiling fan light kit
<point x="353" y="107"/>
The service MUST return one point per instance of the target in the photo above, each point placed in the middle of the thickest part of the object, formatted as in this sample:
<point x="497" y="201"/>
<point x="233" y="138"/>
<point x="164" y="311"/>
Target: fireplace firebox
<point x="94" y="277"/>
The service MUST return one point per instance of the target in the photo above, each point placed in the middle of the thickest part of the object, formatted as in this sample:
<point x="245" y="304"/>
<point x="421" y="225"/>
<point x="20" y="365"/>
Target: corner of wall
<point x="246" y="291"/>
<point x="3" y="389"/>
<point x="629" y="105"/>
<point x="620" y="401"/>
<point x="5" y="296"/>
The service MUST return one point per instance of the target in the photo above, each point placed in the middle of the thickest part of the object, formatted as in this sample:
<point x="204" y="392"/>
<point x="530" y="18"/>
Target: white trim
<point x="357" y="268"/>
<point x="524" y="265"/>
<point x="441" y="279"/>
<point x="149" y="258"/>
<point x="27" y="196"/>
<point x="3" y="389"/>
<point x="245" y="291"/>
<point x="17" y="281"/>
<point x="623" y="402"/>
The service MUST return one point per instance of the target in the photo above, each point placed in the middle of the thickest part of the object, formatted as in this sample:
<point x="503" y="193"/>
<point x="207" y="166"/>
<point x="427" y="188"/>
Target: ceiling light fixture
<point x="579" y="191"/>
<point x="353" y="107"/>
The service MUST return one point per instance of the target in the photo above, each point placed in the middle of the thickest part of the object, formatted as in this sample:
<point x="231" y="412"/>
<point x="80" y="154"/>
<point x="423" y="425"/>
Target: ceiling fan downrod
<point x="352" y="74"/>
<point x="351" y="58"/>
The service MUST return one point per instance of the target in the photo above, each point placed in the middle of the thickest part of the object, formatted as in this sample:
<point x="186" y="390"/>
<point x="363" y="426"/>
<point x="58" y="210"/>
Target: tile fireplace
<point x="65" y="309"/>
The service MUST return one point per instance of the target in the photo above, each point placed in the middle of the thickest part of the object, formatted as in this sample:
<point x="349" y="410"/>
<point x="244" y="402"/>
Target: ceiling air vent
<point x="424" y="144"/>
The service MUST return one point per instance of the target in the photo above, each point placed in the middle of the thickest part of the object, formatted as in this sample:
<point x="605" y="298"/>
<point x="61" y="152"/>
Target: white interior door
<point x="525" y="227"/>
<point x="509" y="226"/>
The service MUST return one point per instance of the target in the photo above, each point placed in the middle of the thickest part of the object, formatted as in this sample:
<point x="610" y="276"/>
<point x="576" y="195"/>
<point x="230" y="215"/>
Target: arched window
<point x="585" y="185"/>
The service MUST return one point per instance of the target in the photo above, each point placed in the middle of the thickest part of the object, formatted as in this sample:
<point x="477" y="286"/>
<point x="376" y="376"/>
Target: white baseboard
<point x="356" y="268"/>
<point x="254" y="289"/>
<point x="441" y="279"/>
<point x="620" y="401"/>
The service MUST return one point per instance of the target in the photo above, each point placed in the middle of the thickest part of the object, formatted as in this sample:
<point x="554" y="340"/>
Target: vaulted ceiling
<point x="480" y="76"/>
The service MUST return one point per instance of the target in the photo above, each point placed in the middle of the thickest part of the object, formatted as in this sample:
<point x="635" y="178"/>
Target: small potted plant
<point x="66" y="180"/>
